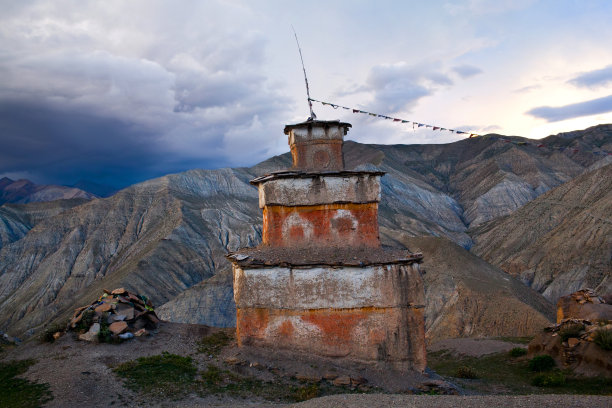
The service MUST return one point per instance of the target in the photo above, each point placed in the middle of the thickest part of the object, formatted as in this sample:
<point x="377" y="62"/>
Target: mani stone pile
<point x="117" y="314"/>
<point x="583" y="318"/>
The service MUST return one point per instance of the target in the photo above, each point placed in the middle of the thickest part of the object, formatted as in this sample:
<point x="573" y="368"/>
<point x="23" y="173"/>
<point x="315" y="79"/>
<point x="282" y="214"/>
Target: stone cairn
<point x="581" y="316"/>
<point x="321" y="282"/>
<point x="126" y="315"/>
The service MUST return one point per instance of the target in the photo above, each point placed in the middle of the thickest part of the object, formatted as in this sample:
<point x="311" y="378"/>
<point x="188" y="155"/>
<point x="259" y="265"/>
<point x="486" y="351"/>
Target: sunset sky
<point x="121" y="91"/>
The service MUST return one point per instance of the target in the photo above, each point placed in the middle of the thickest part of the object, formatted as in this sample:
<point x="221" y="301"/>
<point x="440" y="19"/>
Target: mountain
<point x="560" y="242"/>
<point x="158" y="238"/>
<point x="100" y="190"/>
<point x="17" y="219"/>
<point x="170" y="234"/>
<point x="24" y="191"/>
<point x="467" y="297"/>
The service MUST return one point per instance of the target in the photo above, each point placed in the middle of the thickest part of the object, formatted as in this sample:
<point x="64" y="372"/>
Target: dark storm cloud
<point x="68" y="116"/>
<point x="467" y="71"/>
<point x="593" y="79"/>
<point x="575" y="110"/>
<point x="57" y="146"/>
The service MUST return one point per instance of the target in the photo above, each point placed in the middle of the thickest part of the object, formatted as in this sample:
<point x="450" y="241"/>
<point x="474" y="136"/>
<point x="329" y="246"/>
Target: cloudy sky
<point x="121" y="91"/>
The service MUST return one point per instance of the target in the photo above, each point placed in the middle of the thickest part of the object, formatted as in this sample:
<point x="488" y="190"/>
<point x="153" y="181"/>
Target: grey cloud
<point x="467" y="71"/>
<point x="593" y="79"/>
<point x="146" y="103"/>
<point x="575" y="110"/>
<point x="400" y="86"/>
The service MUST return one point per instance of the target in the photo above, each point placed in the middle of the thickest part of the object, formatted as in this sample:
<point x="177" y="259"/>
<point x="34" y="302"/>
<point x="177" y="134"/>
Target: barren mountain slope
<point x="492" y="176"/>
<point x="157" y="238"/>
<point x="558" y="243"/>
<point x="17" y="219"/>
<point x="166" y="235"/>
<point x="467" y="297"/>
<point x="24" y="191"/>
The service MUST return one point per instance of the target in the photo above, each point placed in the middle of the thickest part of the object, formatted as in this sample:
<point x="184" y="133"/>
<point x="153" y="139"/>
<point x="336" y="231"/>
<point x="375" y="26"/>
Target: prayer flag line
<point x="459" y="132"/>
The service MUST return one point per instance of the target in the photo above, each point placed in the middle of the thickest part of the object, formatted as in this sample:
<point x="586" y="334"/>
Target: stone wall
<point x="372" y="313"/>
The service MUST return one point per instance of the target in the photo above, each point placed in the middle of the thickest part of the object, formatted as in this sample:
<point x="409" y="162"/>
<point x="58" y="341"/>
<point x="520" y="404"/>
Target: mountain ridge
<point x="164" y="236"/>
<point x="24" y="191"/>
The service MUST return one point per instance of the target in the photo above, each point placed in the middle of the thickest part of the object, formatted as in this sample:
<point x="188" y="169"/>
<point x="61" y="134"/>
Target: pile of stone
<point x="586" y="295"/>
<point x="571" y="341"/>
<point x="586" y="334"/>
<point x="583" y="304"/>
<point x="125" y="314"/>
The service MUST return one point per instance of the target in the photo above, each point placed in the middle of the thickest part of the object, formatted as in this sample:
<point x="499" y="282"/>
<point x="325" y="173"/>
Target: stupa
<point x="320" y="282"/>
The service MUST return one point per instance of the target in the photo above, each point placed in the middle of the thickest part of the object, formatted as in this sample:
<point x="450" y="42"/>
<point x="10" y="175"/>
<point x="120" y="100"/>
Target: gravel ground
<point x="443" y="401"/>
<point x="79" y="375"/>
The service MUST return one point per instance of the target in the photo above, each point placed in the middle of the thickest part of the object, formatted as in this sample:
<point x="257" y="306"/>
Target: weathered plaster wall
<point x="370" y="314"/>
<point x="321" y="225"/>
<point x="320" y="189"/>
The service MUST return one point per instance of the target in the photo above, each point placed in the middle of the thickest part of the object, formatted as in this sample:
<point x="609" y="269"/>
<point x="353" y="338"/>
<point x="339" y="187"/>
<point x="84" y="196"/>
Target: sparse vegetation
<point x="47" y="335"/>
<point x="306" y="392"/>
<point x="603" y="338"/>
<point x="572" y="330"/>
<point x="85" y="323"/>
<point x="165" y="375"/>
<point x="172" y="376"/>
<point x="541" y="363"/>
<point x="552" y="379"/>
<point x="517" y="352"/>
<point x="105" y="335"/>
<point x="212" y="375"/>
<point x="18" y="392"/>
<point x="214" y="343"/>
<point x="466" y="372"/>
<point x="502" y="373"/>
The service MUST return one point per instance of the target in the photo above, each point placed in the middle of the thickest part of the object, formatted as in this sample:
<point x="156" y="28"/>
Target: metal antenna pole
<point x="312" y="114"/>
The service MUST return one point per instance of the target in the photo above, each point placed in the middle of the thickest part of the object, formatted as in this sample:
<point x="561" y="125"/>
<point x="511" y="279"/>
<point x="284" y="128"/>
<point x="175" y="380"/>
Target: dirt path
<point x="474" y="347"/>
<point x="453" y="401"/>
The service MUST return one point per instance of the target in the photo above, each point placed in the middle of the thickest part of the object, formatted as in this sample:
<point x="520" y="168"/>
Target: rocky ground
<point x="80" y="373"/>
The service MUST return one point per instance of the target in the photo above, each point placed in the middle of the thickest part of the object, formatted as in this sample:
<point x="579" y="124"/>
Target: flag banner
<point x="460" y="132"/>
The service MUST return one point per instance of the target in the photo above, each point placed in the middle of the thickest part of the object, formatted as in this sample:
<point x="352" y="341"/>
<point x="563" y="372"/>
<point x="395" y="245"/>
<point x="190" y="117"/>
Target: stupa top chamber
<point x="317" y="144"/>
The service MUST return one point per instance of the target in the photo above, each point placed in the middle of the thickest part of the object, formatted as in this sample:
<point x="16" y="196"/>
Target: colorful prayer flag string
<point x="335" y="106"/>
<point x="460" y="132"/>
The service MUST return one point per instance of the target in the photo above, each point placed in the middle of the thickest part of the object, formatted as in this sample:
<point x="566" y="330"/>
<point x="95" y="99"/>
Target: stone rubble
<point x="125" y="314"/>
<point x="571" y="341"/>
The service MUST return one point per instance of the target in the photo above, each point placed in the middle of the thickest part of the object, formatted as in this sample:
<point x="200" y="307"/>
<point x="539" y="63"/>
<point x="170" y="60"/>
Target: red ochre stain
<point x="336" y="326"/>
<point x="323" y="220"/>
<point x="286" y="328"/>
<point x="251" y="323"/>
